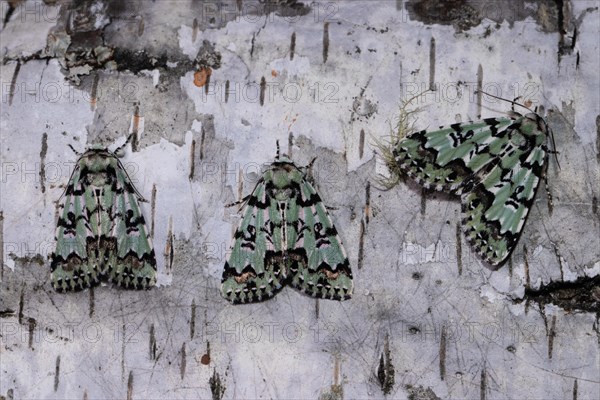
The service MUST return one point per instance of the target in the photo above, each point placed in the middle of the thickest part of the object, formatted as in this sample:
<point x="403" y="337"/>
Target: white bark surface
<point x="335" y="75"/>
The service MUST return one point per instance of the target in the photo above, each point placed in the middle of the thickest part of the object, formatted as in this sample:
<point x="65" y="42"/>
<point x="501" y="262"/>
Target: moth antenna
<point x="278" y="153"/>
<point x="122" y="147"/>
<point x="513" y="102"/>
<point x="308" y="168"/>
<point x="75" y="151"/>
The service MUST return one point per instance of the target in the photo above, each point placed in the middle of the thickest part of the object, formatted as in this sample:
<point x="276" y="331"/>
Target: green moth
<point x="494" y="165"/>
<point x="101" y="234"/>
<point x="285" y="237"/>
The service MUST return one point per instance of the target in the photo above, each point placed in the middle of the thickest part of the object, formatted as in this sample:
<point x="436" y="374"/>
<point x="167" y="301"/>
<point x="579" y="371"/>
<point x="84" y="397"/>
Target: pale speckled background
<point x="335" y="74"/>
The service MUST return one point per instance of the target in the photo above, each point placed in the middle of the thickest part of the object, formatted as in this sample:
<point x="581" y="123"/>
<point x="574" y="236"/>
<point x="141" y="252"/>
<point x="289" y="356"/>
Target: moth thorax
<point x="281" y="177"/>
<point x="283" y="194"/>
<point x="281" y="188"/>
<point x="533" y="125"/>
<point x="97" y="161"/>
<point x="97" y="179"/>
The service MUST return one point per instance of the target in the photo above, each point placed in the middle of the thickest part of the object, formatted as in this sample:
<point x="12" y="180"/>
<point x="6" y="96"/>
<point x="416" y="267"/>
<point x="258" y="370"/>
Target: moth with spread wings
<point x="494" y="165"/>
<point x="101" y="234"/>
<point x="285" y="237"/>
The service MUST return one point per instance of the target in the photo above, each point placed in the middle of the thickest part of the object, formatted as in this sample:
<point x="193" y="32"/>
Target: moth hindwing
<point x="101" y="234"/>
<point x="494" y="165"/>
<point x="285" y="237"/>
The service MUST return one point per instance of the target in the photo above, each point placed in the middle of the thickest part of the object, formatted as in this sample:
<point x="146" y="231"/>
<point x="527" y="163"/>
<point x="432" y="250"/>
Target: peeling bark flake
<point x="527" y="278"/>
<point x="21" y="304"/>
<point x="152" y="344"/>
<point x="386" y="373"/>
<point x="194" y="30"/>
<point x="361" y="144"/>
<point x="9" y="12"/>
<point x="13" y="83"/>
<point x="293" y="46"/>
<point x="443" y="354"/>
<point x="130" y="386"/>
<point x="202" y="140"/>
<point x="252" y="45"/>
<point x="31" y="323"/>
<point x="367" y="202"/>
<point x="56" y="373"/>
<point x="290" y="145"/>
<point x="482" y="385"/>
<point x="134" y="131"/>
<point x="459" y="248"/>
<point x="361" y="244"/>
<point x="551" y="335"/>
<point x="432" y="64"/>
<point x="153" y="209"/>
<point x="94" y="94"/>
<point x="169" y="251"/>
<point x="193" y="319"/>
<point x="217" y="389"/>
<point x="91" y="313"/>
<point x="192" y="161"/>
<point x="183" y="361"/>
<point x="122" y="338"/>
<point x="240" y="184"/>
<point x="140" y="31"/>
<point x="325" y="41"/>
<point x="479" y="89"/>
<point x="598" y="138"/>
<point x="263" y="87"/>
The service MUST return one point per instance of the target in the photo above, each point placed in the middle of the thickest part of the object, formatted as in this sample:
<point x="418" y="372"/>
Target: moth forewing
<point x="494" y="165"/>
<point x="283" y="239"/>
<point x="101" y="234"/>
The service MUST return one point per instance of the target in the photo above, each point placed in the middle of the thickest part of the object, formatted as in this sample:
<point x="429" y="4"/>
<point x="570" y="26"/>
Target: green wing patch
<point x="101" y="234"/>
<point x="285" y="236"/>
<point x="495" y="165"/>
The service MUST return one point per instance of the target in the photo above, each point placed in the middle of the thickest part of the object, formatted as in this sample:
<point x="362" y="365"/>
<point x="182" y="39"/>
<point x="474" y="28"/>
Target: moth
<point x="285" y="236"/>
<point x="101" y="234"/>
<point x="495" y="165"/>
